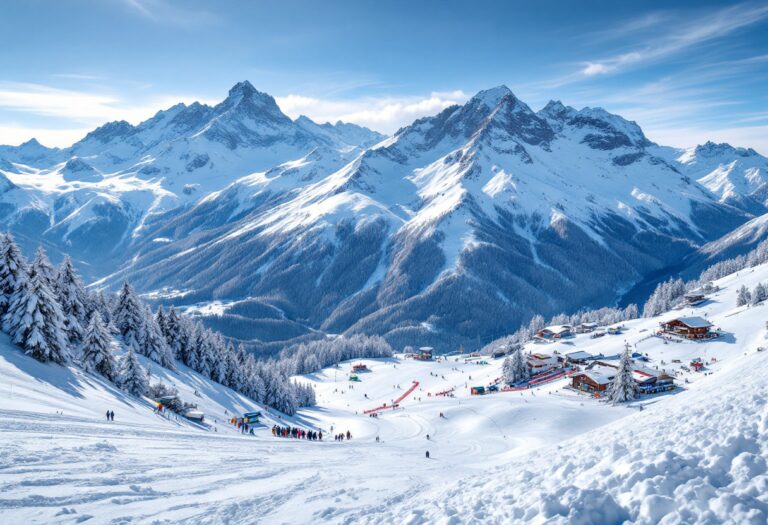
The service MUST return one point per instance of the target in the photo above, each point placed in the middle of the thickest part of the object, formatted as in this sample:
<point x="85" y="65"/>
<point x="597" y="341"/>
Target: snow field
<point x="545" y="455"/>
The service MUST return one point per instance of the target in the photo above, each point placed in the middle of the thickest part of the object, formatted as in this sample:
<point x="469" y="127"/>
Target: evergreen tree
<point x="42" y="265"/>
<point x="623" y="387"/>
<point x="160" y="319"/>
<point x="507" y="371"/>
<point x="34" y="320"/>
<point x="203" y="348"/>
<point x="173" y="334"/>
<point x="152" y="343"/>
<point x="97" y="349"/>
<point x="128" y="316"/>
<point x="132" y="377"/>
<point x="759" y="294"/>
<point x="73" y="299"/>
<point x="12" y="268"/>
<point x="234" y="369"/>
<point x="743" y="296"/>
<point x="191" y="352"/>
<point x="520" y="369"/>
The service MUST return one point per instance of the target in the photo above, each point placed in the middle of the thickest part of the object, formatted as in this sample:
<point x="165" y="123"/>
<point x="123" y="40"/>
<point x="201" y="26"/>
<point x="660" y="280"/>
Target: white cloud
<point x="385" y="114"/>
<point x="71" y="111"/>
<point x="595" y="69"/>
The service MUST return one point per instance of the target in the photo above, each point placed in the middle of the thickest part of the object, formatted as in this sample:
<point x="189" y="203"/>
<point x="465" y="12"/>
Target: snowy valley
<point x="543" y="452"/>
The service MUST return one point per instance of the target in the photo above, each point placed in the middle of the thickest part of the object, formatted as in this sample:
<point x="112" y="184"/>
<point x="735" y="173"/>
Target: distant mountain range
<point x="451" y="232"/>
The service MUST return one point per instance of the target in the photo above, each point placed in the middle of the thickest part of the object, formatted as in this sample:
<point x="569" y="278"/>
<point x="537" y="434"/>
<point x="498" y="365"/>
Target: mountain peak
<point x="491" y="97"/>
<point x="243" y="95"/>
<point x="242" y="89"/>
<point x="31" y="143"/>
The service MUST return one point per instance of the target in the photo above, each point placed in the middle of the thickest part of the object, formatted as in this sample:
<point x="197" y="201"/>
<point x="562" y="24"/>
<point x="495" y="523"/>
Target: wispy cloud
<point x="69" y="112"/>
<point x="656" y="37"/>
<point x="385" y="114"/>
<point x="168" y="12"/>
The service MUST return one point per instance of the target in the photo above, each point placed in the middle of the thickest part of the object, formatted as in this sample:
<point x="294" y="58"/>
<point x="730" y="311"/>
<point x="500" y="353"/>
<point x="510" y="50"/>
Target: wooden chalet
<point x="694" y="298"/>
<point x="424" y="354"/>
<point x="689" y="328"/>
<point x="598" y="377"/>
<point x="551" y="333"/>
<point x="585" y="328"/>
<point x="540" y="362"/>
<point x="577" y="357"/>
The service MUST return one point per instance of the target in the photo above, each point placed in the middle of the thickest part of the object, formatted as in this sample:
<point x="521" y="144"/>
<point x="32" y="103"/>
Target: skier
<point x="112" y="415"/>
<point x="427" y="454"/>
<point x="107" y="415"/>
<point x="427" y="437"/>
<point x="349" y="436"/>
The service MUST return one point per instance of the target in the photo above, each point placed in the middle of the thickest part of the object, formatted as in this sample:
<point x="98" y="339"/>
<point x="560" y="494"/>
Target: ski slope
<point x="544" y="455"/>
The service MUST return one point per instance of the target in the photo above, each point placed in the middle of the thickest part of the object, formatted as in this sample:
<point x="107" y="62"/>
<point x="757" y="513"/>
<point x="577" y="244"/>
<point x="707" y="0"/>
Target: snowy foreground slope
<point x="545" y="455"/>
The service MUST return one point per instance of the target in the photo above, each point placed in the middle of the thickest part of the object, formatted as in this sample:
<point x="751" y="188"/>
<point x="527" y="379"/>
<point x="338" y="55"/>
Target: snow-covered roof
<point x="693" y="321"/>
<point x="580" y="354"/>
<point x="598" y="377"/>
<point x="557" y="329"/>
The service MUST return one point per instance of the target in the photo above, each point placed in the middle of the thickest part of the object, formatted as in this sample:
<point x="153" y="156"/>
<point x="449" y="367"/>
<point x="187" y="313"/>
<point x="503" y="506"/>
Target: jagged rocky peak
<point x="76" y="169"/>
<point x="110" y="131"/>
<point x="556" y="110"/>
<point x="244" y="96"/>
<point x="491" y="97"/>
<point x="712" y="149"/>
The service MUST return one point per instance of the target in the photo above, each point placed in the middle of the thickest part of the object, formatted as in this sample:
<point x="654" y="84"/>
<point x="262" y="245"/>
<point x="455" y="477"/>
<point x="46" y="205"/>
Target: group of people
<point x="297" y="433"/>
<point x="340" y="437"/>
<point x="110" y="415"/>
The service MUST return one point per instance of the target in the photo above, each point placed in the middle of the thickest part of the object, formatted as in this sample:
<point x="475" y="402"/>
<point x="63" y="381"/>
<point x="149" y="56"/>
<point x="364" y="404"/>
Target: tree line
<point x="670" y="293"/>
<point x="53" y="317"/>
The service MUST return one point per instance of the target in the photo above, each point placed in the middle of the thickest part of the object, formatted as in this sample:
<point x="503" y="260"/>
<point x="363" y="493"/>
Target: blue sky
<point x="686" y="71"/>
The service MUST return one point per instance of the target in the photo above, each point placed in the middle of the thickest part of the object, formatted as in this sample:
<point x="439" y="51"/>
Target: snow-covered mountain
<point x="94" y="197"/>
<point x="508" y="209"/>
<point x="452" y="231"/>
<point x="736" y="175"/>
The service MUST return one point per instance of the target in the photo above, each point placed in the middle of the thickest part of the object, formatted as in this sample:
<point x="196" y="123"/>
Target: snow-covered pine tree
<point x="73" y="299"/>
<point x="508" y="371"/>
<point x="234" y="372"/>
<point x="97" y="353"/>
<point x="220" y="363"/>
<point x="160" y="319"/>
<point x="520" y="365"/>
<point x="132" y="377"/>
<point x="623" y="386"/>
<point x="536" y="324"/>
<point x="743" y="296"/>
<point x="42" y="265"/>
<point x="152" y="343"/>
<point x="759" y="294"/>
<point x="34" y="320"/>
<point x="202" y="344"/>
<point x="191" y="353"/>
<point x="173" y="335"/>
<point x="12" y="268"/>
<point x="127" y="317"/>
